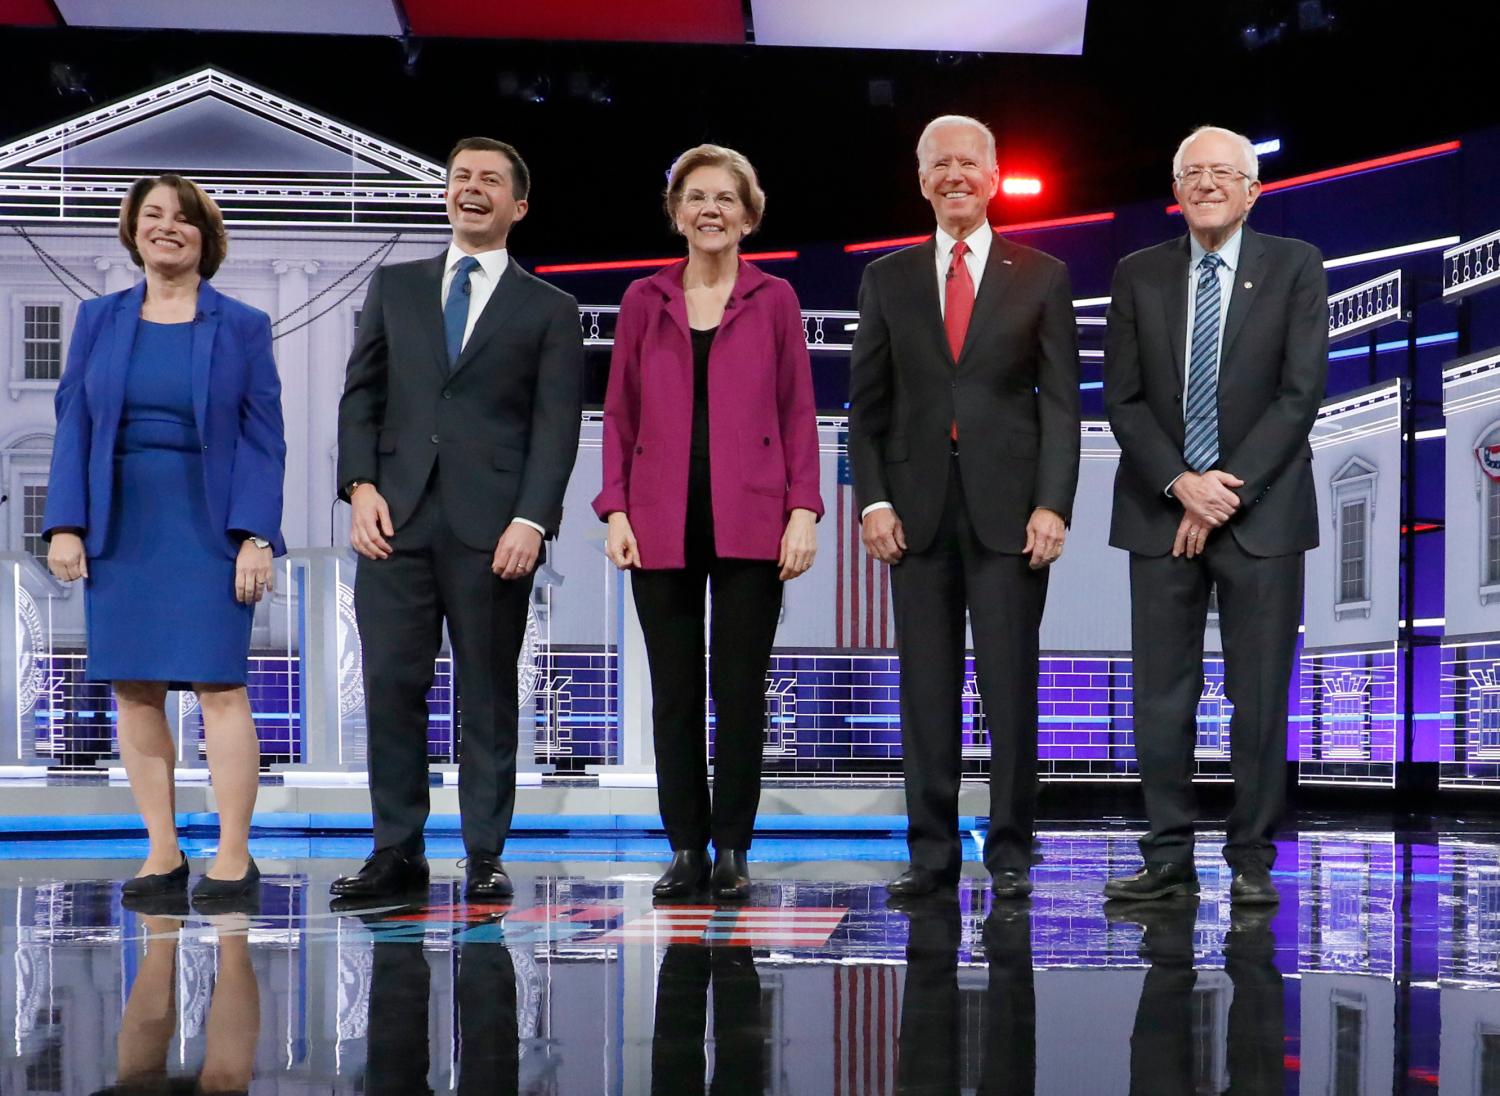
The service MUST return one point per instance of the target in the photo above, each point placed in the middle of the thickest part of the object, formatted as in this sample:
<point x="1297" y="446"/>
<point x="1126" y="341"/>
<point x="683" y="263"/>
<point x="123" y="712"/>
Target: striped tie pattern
<point x="1201" y="447"/>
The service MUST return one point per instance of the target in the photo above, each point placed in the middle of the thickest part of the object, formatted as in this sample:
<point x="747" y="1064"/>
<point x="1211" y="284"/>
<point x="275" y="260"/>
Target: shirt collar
<point x="491" y="262"/>
<point x="1229" y="253"/>
<point x="979" y="244"/>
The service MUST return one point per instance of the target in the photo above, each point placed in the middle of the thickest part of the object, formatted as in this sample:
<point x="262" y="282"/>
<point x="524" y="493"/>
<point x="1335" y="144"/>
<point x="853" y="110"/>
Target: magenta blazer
<point x="763" y="430"/>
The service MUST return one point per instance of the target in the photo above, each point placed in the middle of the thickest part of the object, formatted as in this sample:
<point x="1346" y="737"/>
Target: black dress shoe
<point x="1154" y="881"/>
<point x="164" y="882"/>
<point x="731" y="878"/>
<point x="484" y="877"/>
<point x="1010" y="883"/>
<point x="685" y="876"/>
<point x="387" y="872"/>
<point x="1252" y="886"/>
<point x="208" y="891"/>
<point x="916" y="881"/>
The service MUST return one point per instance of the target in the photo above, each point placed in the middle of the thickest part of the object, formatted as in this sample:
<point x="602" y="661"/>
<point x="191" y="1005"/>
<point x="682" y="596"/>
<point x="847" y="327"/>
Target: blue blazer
<point x="236" y="402"/>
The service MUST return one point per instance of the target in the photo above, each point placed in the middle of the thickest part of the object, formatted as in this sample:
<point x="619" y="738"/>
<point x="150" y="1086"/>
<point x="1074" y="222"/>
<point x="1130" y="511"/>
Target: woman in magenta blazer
<point x="710" y="477"/>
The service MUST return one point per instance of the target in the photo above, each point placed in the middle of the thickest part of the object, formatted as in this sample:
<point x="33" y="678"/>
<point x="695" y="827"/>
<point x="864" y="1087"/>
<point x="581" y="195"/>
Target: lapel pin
<point x="1007" y="262"/>
<point x="1249" y="285"/>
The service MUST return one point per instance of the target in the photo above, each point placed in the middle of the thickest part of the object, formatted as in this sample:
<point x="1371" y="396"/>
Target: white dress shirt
<point x="482" y="283"/>
<point x="1229" y="256"/>
<point x="979" y="242"/>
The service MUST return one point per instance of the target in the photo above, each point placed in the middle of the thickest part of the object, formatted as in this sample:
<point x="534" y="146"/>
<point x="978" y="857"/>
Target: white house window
<point x="41" y="342"/>
<point x="1488" y="489"/>
<point x="33" y="507"/>
<point x="1353" y="512"/>
<point x="1354" y="577"/>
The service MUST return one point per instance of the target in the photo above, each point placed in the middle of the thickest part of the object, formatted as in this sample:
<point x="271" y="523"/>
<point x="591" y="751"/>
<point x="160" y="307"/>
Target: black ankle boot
<point x="685" y="876"/>
<point x="731" y="878"/>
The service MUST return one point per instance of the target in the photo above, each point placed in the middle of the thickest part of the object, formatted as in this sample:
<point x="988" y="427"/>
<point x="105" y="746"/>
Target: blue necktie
<point x="456" y="308"/>
<point x="1201" y="445"/>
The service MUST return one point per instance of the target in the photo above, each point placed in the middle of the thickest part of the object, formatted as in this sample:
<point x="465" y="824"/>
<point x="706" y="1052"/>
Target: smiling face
<point x="164" y="238"/>
<point x="958" y="177"/>
<point x="481" y="199"/>
<point x="1215" y="210"/>
<point x="710" y="212"/>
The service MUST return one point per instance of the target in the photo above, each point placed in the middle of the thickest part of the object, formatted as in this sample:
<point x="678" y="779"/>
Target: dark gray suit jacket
<point x="1272" y="372"/>
<point x="1013" y="393"/>
<point x="502" y="425"/>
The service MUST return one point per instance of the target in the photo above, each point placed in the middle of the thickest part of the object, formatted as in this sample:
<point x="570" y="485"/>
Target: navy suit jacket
<point x="236" y="403"/>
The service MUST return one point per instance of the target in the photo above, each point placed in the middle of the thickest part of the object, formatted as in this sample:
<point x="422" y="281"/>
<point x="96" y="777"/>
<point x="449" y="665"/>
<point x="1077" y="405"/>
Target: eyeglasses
<point x="696" y="199"/>
<point x="1220" y="173"/>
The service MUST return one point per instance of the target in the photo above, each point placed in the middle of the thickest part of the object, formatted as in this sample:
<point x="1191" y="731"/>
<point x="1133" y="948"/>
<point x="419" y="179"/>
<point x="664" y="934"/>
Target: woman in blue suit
<point x="165" y="497"/>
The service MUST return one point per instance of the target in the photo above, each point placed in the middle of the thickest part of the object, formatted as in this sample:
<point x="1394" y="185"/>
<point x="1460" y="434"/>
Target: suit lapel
<point x="999" y="269"/>
<point x="127" y="319"/>
<point x="1174" y="292"/>
<point x="503" y="301"/>
<point x="428" y="302"/>
<point x="205" y="326"/>
<point x="929" y="307"/>
<point x="1242" y="292"/>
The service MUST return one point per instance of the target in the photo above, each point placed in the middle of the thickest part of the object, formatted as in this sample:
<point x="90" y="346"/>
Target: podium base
<point x="624" y="776"/>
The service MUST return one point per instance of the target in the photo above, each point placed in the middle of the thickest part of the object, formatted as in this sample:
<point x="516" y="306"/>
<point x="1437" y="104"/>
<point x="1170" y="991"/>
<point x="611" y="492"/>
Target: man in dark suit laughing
<point x="963" y="440"/>
<point x="457" y="433"/>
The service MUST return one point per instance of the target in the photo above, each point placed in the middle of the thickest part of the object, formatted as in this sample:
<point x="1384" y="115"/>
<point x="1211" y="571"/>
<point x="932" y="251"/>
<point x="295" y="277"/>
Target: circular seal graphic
<point x="350" y="655"/>
<point x="30" y="658"/>
<point x="529" y="662"/>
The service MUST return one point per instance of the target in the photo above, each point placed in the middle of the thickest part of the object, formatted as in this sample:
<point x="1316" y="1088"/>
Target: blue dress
<point x="160" y="596"/>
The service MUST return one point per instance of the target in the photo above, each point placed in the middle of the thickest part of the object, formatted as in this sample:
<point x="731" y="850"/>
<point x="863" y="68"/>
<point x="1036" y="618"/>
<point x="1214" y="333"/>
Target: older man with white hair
<point x="1216" y="356"/>
<point x="963" y="441"/>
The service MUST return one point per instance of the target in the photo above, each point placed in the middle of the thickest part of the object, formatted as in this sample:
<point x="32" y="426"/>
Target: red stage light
<point x="1020" y="186"/>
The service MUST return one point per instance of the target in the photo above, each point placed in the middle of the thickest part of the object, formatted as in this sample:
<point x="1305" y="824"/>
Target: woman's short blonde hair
<point x="753" y="197"/>
<point x="201" y="211"/>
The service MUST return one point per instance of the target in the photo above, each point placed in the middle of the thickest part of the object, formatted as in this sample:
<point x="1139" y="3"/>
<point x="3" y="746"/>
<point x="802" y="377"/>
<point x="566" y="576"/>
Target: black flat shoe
<point x="685" y="876"/>
<point x="730" y="881"/>
<point x="1253" y="887"/>
<point x="386" y="873"/>
<point x="1154" y="881"/>
<point x="915" y="882"/>
<point x="1010" y="883"/>
<point x="165" y="882"/>
<point x="208" y="891"/>
<point x="485" y="877"/>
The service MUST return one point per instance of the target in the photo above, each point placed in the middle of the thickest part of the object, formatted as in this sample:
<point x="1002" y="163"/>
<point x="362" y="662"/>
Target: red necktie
<point x="958" y="307"/>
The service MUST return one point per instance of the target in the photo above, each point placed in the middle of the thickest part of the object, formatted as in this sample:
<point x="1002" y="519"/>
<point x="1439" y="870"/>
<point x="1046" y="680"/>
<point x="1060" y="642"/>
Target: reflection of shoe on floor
<point x="1154" y="881"/>
<point x="386" y="873"/>
<point x="1252" y="886"/>
<point x="1167" y="925"/>
<point x="1250" y="919"/>
<point x="172" y="903"/>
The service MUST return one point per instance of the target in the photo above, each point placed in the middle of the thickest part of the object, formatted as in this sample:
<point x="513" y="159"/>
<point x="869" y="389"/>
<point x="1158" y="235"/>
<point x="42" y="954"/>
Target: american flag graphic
<point x="750" y="926"/>
<point x="866" y="1029"/>
<point x="862" y="598"/>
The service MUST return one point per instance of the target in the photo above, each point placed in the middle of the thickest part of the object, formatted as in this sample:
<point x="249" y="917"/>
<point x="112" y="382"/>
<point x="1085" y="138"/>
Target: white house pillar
<point x="293" y="362"/>
<point x="119" y="272"/>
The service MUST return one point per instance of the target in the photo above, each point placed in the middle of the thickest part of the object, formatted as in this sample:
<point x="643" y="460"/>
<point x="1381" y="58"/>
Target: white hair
<point x="1247" y="149"/>
<point x="958" y="120"/>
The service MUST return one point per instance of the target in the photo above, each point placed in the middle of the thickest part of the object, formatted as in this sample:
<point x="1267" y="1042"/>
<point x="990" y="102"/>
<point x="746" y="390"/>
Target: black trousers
<point x="1260" y="602"/>
<point x="1004" y="598"/>
<point x="678" y="1061"/>
<point x="399" y="1056"/>
<point x="745" y="599"/>
<point x="401" y="603"/>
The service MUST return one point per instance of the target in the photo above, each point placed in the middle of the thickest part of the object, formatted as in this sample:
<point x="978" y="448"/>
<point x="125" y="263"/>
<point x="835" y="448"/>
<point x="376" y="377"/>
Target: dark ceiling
<point x="830" y="130"/>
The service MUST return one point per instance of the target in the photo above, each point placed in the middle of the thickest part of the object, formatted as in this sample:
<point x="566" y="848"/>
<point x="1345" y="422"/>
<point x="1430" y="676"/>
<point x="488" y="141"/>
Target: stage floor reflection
<point x="1379" y="973"/>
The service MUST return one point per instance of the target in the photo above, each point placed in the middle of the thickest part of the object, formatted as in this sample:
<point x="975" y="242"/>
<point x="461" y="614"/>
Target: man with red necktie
<point x="963" y="441"/>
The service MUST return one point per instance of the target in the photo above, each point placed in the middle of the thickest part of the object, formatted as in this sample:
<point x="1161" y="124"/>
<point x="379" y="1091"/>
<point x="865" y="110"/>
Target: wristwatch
<point x="259" y="542"/>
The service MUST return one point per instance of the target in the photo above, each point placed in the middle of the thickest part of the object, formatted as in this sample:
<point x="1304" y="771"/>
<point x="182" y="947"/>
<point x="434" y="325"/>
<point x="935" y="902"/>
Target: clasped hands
<point x="515" y="556"/>
<point x="1208" y="501"/>
<point x="885" y="537"/>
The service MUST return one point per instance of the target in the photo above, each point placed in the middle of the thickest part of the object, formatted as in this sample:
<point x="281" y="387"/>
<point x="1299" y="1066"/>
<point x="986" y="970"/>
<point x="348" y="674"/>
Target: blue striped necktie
<point x="1201" y="444"/>
<point x="456" y="308"/>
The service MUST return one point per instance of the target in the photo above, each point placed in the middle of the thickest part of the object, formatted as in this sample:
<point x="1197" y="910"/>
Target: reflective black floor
<point x="1379" y="973"/>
